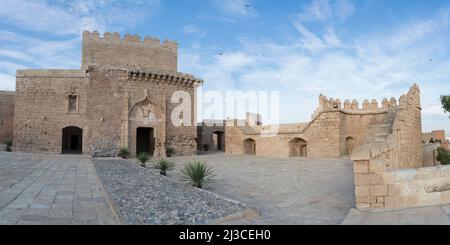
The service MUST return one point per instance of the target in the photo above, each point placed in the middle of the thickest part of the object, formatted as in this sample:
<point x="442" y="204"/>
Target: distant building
<point x="436" y="136"/>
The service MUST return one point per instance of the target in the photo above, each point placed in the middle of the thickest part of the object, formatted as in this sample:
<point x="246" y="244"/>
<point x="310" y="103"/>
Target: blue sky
<point x="341" y="48"/>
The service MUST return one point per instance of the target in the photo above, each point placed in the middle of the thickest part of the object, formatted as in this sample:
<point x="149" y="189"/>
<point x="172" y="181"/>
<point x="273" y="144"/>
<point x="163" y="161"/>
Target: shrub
<point x="198" y="174"/>
<point x="8" y="144"/>
<point x="143" y="157"/>
<point x="163" y="166"/>
<point x="170" y="151"/>
<point x="443" y="156"/>
<point x="124" y="153"/>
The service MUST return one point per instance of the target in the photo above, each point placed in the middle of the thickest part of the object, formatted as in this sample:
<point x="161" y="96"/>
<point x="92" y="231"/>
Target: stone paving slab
<point x="295" y="191"/>
<point x="414" y="216"/>
<point x="51" y="190"/>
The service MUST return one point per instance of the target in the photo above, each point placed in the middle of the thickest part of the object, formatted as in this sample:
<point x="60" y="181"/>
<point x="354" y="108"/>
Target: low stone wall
<point x="376" y="186"/>
<point x="430" y="154"/>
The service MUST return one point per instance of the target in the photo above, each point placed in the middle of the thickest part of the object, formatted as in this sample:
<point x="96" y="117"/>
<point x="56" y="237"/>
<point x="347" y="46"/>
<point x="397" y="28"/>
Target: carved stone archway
<point x="146" y="114"/>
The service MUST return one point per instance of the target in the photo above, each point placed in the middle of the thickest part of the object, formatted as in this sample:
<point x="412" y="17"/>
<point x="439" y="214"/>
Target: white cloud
<point x="362" y="67"/>
<point x="7" y="82"/>
<point x="236" y="8"/>
<point x="323" y="10"/>
<point x="72" y="17"/>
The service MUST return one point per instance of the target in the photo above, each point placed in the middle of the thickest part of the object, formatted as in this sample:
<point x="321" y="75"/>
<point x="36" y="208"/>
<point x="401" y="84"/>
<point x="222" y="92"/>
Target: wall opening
<point x="219" y="140"/>
<point x="145" y="141"/>
<point x="298" y="148"/>
<point x="72" y="140"/>
<point x="250" y="147"/>
<point x="350" y="144"/>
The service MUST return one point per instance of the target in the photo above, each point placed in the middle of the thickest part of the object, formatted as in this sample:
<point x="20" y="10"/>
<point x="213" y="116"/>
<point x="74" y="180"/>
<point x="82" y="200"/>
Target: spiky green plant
<point x="8" y="144"/>
<point x="163" y="166"/>
<point x="143" y="157"/>
<point x="198" y="174"/>
<point x="124" y="153"/>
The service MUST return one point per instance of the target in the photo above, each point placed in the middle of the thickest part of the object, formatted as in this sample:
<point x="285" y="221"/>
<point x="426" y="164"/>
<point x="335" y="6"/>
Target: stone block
<point x="380" y="200"/>
<point x="445" y="198"/>
<point x="428" y="173"/>
<point x="394" y="190"/>
<point x="379" y="190"/>
<point x="377" y="166"/>
<point x="405" y="175"/>
<point x="388" y="178"/>
<point x="445" y="171"/>
<point x="366" y="199"/>
<point x="361" y="167"/>
<point x="362" y="191"/>
<point x="368" y="179"/>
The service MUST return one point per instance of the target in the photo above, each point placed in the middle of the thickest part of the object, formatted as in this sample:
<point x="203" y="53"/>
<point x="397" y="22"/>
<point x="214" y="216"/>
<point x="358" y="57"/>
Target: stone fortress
<point x="122" y="97"/>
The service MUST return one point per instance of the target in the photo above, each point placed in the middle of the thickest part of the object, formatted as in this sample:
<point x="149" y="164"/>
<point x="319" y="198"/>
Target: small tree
<point x="445" y="100"/>
<point x="443" y="156"/>
<point x="432" y="141"/>
<point x="143" y="157"/>
<point x="163" y="166"/>
<point x="8" y="144"/>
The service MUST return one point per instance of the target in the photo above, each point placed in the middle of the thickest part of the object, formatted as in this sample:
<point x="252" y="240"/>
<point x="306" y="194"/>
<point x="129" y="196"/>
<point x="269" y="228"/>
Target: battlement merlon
<point x="368" y="106"/>
<point x="112" y="49"/>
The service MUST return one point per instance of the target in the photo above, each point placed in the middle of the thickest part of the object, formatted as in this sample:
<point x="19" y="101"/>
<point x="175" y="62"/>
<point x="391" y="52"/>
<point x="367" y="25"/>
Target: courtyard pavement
<point x="287" y="191"/>
<point x="413" y="216"/>
<point x="37" y="190"/>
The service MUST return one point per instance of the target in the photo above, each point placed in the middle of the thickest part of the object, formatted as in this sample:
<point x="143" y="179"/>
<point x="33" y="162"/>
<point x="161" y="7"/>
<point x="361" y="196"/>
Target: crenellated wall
<point x="390" y="173"/>
<point x="131" y="50"/>
<point x="335" y="129"/>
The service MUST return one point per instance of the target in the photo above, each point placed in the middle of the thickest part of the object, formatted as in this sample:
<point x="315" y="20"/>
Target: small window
<point x="72" y="103"/>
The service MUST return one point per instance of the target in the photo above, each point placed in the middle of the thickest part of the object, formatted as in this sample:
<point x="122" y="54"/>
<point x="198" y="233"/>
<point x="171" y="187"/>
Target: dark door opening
<point x="219" y="141"/>
<point x="72" y="140"/>
<point x="145" y="141"/>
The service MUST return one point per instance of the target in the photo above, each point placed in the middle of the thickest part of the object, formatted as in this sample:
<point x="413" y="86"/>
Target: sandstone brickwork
<point x="390" y="174"/>
<point x="6" y="115"/>
<point x="436" y="136"/>
<point x="130" y="51"/>
<point x="335" y="130"/>
<point x="124" y="85"/>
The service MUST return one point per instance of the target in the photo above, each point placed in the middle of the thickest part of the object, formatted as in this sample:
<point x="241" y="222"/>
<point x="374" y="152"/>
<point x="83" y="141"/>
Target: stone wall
<point x="437" y="135"/>
<point x="125" y="84"/>
<point x="379" y="187"/>
<point x="6" y="115"/>
<point x="130" y="50"/>
<point x="41" y="110"/>
<point x="429" y="155"/>
<point x="389" y="173"/>
<point x="334" y="130"/>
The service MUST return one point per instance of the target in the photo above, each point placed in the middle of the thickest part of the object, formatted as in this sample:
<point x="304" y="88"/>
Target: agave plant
<point x="143" y="157"/>
<point x="163" y="166"/>
<point x="124" y="153"/>
<point x="198" y="174"/>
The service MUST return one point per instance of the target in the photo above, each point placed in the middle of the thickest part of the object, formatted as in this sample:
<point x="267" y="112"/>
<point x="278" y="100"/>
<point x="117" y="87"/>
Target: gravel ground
<point x="143" y="196"/>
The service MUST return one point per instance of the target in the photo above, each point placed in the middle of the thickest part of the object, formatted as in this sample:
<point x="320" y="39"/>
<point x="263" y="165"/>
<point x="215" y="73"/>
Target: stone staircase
<point x="378" y="132"/>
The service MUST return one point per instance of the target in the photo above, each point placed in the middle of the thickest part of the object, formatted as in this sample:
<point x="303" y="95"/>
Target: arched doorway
<point x="250" y="147"/>
<point x="145" y="141"/>
<point x="219" y="140"/>
<point x="298" y="148"/>
<point x="350" y="143"/>
<point x="72" y="140"/>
